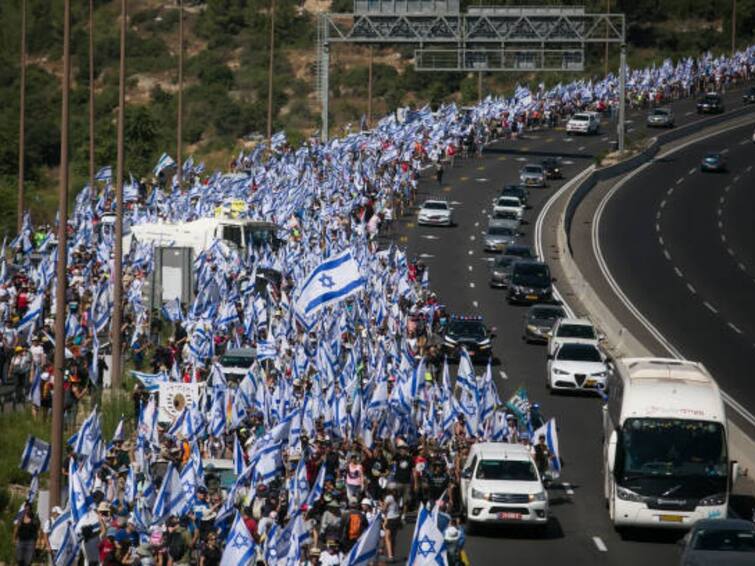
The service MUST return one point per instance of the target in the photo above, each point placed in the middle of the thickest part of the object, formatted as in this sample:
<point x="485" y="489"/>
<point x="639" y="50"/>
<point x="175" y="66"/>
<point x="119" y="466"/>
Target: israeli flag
<point x="165" y="162"/>
<point x="549" y="431"/>
<point x="240" y="549"/>
<point x="69" y="548"/>
<point x="151" y="381"/>
<point x="105" y="174"/>
<point x="26" y="324"/>
<point x="266" y="350"/>
<point x="78" y="494"/>
<point x="172" y="310"/>
<point x="428" y="547"/>
<point x="332" y="281"/>
<point x="238" y="456"/>
<point x="366" y="549"/>
<point x="36" y="456"/>
<point x="170" y="499"/>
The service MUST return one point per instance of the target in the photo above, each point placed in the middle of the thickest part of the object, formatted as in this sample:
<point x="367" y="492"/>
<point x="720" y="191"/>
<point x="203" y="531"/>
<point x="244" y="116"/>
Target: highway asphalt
<point x="681" y="244"/>
<point x="580" y="532"/>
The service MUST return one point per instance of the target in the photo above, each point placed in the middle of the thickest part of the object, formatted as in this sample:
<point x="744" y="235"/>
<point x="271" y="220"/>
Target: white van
<point x="500" y="484"/>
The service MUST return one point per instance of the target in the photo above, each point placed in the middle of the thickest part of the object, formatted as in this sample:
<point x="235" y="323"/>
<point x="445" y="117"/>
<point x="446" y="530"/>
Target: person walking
<point x="25" y="534"/>
<point x="439" y="172"/>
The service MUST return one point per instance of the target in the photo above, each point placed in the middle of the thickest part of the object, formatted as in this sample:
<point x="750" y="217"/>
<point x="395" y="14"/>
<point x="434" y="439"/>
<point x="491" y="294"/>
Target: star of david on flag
<point x="428" y="547"/>
<point x="240" y="549"/>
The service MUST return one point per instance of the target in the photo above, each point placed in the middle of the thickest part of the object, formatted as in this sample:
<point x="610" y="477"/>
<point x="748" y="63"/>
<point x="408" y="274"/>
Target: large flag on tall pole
<point x="334" y="280"/>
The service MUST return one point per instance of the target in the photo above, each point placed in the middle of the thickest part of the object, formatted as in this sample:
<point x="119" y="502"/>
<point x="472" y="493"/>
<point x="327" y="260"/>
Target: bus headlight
<point x="628" y="495"/>
<point x="711" y="500"/>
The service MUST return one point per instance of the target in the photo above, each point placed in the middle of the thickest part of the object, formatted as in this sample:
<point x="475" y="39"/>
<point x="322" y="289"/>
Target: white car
<point x="510" y="205"/>
<point x="583" y="123"/>
<point x="578" y="367"/>
<point x="576" y="330"/>
<point x="500" y="484"/>
<point x="435" y="213"/>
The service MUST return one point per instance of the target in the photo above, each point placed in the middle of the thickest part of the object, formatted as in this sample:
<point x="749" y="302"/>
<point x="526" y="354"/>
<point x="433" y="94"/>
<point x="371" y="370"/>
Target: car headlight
<point x="450" y="341"/>
<point x="533" y="328"/>
<point x="484" y="343"/>
<point x="560" y="371"/>
<point x="628" y="495"/>
<point x="480" y="495"/>
<point x="540" y="496"/>
<point x="717" y="499"/>
<point x="600" y="374"/>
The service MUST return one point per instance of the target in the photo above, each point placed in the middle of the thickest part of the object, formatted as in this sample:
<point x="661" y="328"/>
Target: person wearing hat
<point x="20" y="372"/>
<point x="331" y="556"/>
<point x="53" y="538"/>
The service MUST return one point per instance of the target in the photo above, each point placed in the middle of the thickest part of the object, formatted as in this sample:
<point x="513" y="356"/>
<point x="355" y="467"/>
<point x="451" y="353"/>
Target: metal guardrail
<point x="635" y="161"/>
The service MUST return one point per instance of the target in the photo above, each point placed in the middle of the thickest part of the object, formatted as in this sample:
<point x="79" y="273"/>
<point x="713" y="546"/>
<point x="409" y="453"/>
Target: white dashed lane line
<point x="475" y="304"/>
<point x="692" y="171"/>
<point x="668" y="255"/>
<point x="469" y="267"/>
<point x="471" y="285"/>
<point x="710" y="307"/>
<point x="734" y="328"/>
<point x="471" y="252"/>
<point x="691" y="288"/>
<point x="600" y="544"/>
<point x="502" y="374"/>
<point x="660" y="240"/>
<point x="678" y="272"/>
<point x="680" y="180"/>
<point x="670" y="191"/>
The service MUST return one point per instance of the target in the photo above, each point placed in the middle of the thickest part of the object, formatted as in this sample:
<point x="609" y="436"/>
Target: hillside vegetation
<point x="226" y="73"/>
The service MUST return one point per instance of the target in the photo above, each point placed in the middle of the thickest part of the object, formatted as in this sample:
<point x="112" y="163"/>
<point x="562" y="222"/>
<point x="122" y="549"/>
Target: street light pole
<point x="116" y="365"/>
<point x="605" y="56"/>
<point x="56" y="438"/>
<point x="91" y="98"/>
<point x="179" y="128"/>
<point x="22" y="123"/>
<point x="270" y="73"/>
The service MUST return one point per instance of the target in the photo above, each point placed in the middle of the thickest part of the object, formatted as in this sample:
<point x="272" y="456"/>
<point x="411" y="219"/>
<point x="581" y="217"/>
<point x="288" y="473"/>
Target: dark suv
<point x="530" y="283"/>
<point x="469" y="332"/>
<point x="711" y="103"/>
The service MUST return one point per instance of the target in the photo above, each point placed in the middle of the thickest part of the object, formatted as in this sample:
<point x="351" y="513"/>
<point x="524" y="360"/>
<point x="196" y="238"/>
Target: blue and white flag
<point x="266" y="350"/>
<point x="334" y="280"/>
<point x="170" y="499"/>
<point x="428" y="547"/>
<point x="78" y="494"/>
<point x="151" y="381"/>
<point x="26" y="324"/>
<point x="549" y="431"/>
<point x="165" y="162"/>
<point x="36" y="456"/>
<point x="104" y="174"/>
<point x="172" y="310"/>
<point x="240" y="549"/>
<point x="366" y="548"/>
<point x="69" y="548"/>
<point x="238" y="456"/>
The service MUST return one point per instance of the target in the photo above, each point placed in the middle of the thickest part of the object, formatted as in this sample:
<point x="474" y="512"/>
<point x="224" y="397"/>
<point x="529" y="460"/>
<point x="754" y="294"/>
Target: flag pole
<point x="91" y="99"/>
<point x="179" y="128"/>
<point x="56" y="438"/>
<point x="116" y="365"/>
<point x="22" y="123"/>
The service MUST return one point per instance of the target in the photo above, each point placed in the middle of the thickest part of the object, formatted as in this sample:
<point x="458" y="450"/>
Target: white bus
<point x="665" y="453"/>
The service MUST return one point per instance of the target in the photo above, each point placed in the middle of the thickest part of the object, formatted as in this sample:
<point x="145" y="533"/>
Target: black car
<point x="539" y="321"/>
<point x="749" y="96"/>
<point x="520" y="251"/>
<point x="721" y="542"/>
<point x="711" y="103"/>
<point x="467" y="332"/>
<point x="552" y="168"/>
<point x="518" y="191"/>
<point x="530" y="283"/>
<point x="500" y="270"/>
<point x="713" y="161"/>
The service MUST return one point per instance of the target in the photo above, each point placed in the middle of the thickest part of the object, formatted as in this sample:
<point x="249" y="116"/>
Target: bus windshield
<point x="686" y="453"/>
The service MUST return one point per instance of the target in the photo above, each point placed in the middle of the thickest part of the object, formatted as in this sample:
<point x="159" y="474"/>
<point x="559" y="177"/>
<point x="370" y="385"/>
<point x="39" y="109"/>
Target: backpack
<point x="354" y="527"/>
<point x="177" y="545"/>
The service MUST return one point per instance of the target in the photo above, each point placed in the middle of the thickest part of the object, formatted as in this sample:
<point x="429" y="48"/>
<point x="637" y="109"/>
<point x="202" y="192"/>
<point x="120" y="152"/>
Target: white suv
<point x="572" y="330"/>
<point x="583" y="123"/>
<point x="500" y="484"/>
<point x="435" y="213"/>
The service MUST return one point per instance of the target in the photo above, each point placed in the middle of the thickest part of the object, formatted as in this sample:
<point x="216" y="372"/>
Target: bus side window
<point x="232" y="234"/>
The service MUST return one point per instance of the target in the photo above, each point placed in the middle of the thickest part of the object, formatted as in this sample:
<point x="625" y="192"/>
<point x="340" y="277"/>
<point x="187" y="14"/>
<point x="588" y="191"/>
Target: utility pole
<point x="270" y="73"/>
<point x="56" y="438"/>
<point x="605" y="56"/>
<point x="733" y="26"/>
<point x="91" y="98"/>
<point x="622" y="96"/>
<point x="22" y="123"/>
<point x="369" y="91"/>
<point x="179" y="128"/>
<point x="116" y="367"/>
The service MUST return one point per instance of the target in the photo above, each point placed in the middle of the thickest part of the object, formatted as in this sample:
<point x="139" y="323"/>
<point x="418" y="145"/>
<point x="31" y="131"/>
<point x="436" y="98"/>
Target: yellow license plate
<point x="532" y="297"/>
<point x="671" y="518"/>
<point x="590" y="382"/>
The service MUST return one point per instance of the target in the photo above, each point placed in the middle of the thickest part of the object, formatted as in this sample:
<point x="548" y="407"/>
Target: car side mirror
<point x="466" y="474"/>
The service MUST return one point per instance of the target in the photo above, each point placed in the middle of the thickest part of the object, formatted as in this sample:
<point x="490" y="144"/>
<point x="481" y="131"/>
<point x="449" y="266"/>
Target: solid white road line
<point x="600" y="544"/>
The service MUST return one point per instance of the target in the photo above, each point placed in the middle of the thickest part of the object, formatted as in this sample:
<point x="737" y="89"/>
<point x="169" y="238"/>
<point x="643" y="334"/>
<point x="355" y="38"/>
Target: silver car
<point x="435" y="213"/>
<point x="661" y="118"/>
<point x="498" y="238"/>
<point x="532" y="175"/>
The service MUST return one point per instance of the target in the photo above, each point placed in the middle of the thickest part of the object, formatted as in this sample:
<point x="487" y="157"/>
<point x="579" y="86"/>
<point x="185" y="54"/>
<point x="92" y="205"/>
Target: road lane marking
<point x="710" y="307"/>
<point x="446" y="189"/>
<point x="484" y="211"/>
<point x="604" y="138"/>
<point x="657" y="227"/>
<point x="410" y="224"/>
<point x="741" y="266"/>
<point x="502" y="158"/>
<point x="736" y="178"/>
<point x="660" y="240"/>
<point x="430" y="237"/>
<point x="464" y="178"/>
<point x="727" y="188"/>
<point x="482" y="179"/>
<point x="600" y="544"/>
<point x="568" y="488"/>
<point x="670" y="191"/>
<point x="691" y="288"/>
<point x="502" y="374"/>
<point x="719" y="212"/>
<point x="475" y="304"/>
<point x="472" y="237"/>
<point x="723" y="237"/>
<point x="658" y="215"/>
<point x="668" y="255"/>
<point x="549" y="140"/>
<point x="471" y="285"/>
<point x="567" y="162"/>
<point x="470" y="252"/>
<point x="720" y="225"/>
<point x="725" y="150"/>
<point x="469" y="267"/>
<point x="481" y="168"/>
<point x="476" y="224"/>
<point x="734" y="328"/>
<point x="680" y="180"/>
<point x="663" y="203"/>
<point x="689" y="113"/>
<point x="692" y="171"/>
<point x="722" y="200"/>
<point x="678" y="272"/>
<point x="581" y="148"/>
<point x="521" y="159"/>
<point x="731" y="252"/>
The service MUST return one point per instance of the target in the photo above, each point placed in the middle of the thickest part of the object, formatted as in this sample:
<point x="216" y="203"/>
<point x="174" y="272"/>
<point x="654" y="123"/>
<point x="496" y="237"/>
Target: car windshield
<point x="712" y="156"/>
<point x="723" y="540"/>
<point x="514" y="470"/>
<point x="504" y="215"/>
<point x="505" y="261"/>
<point x="519" y="251"/>
<point x="508" y="201"/>
<point x="546" y="313"/>
<point x="672" y="448"/>
<point x="660" y="112"/>
<point x="532" y="169"/>
<point x="580" y="118"/>
<point x="576" y="331"/>
<point x="435" y="206"/>
<point x="710" y="99"/>
<point x="578" y="353"/>
<point x="231" y="361"/>
<point x="536" y="275"/>
<point x="471" y="328"/>
<point x="500" y="231"/>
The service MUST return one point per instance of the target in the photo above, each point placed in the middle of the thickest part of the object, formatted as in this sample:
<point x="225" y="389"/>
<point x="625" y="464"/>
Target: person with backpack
<point x="178" y="543"/>
<point x="354" y="525"/>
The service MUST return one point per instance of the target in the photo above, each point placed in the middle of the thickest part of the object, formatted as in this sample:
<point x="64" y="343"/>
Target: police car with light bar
<point x="468" y="332"/>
